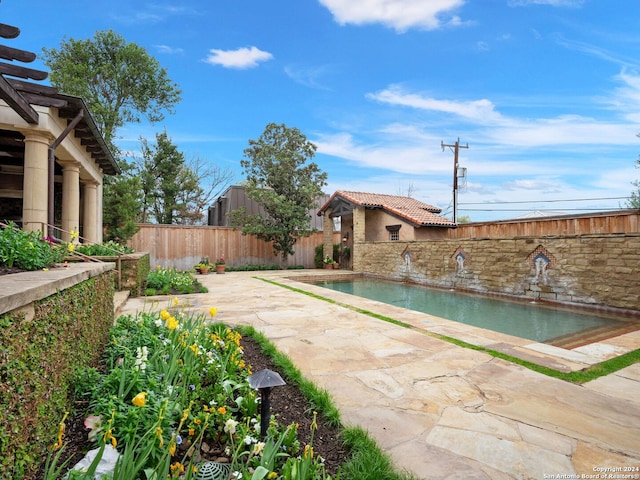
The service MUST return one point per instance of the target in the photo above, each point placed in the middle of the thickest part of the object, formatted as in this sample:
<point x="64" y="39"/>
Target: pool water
<point x="525" y="320"/>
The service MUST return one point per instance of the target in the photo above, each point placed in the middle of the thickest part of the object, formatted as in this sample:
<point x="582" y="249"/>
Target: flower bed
<point x="176" y="396"/>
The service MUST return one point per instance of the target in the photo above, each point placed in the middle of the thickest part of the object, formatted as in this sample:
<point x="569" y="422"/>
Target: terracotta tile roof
<point x="407" y="208"/>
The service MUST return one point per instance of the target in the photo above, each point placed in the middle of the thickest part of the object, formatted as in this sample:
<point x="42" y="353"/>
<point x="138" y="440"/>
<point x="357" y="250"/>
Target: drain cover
<point x="213" y="471"/>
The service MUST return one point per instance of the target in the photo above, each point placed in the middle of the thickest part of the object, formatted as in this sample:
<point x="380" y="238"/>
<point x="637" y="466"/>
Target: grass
<point x="367" y="460"/>
<point x="578" y="377"/>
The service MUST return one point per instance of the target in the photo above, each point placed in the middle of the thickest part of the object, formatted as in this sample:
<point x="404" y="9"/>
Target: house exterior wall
<point x="30" y="181"/>
<point x="376" y="222"/>
<point x="235" y="197"/>
<point x="598" y="269"/>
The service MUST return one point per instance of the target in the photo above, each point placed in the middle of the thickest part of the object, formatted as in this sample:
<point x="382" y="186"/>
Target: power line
<point x="550" y="201"/>
<point x="540" y="209"/>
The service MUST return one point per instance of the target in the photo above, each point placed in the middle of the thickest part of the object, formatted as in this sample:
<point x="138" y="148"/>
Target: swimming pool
<point x="545" y="324"/>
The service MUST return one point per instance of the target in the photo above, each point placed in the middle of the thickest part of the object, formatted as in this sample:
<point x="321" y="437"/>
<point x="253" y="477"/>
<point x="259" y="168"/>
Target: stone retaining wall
<point x="601" y="270"/>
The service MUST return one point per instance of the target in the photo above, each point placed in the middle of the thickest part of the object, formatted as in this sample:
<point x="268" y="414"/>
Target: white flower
<point x="230" y="426"/>
<point x="258" y="448"/>
<point x="249" y="440"/>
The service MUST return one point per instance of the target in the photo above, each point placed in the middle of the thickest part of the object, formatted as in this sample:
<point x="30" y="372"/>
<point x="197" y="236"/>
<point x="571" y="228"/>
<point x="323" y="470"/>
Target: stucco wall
<point x="591" y="269"/>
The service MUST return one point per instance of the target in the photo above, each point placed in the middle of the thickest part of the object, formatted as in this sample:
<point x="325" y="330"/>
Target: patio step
<point x="119" y="299"/>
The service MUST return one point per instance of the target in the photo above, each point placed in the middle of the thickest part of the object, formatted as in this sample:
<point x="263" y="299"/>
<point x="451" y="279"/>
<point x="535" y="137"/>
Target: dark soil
<point x="4" y="270"/>
<point x="288" y="405"/>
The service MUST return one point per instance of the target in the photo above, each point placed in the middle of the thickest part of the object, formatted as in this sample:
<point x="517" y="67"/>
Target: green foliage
<point x="166" y="281"/>
<point x="106" y="249"/>
<point x="253" y="267"/>
<point x="119" y="81"/>
<point x="28" y="250"/>
<point x="39" y="357"/>
<point x="170" y="188"/>
<point x="367" y="462"/>
<point x="318" y="254"/>
<point x="122" y="205"/>
<point x="172" y="383"/>
<point x="282" y="181"/>
<point x="634" y="197"/>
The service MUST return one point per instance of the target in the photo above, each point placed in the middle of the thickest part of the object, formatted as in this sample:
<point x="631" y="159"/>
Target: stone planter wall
<point x="135" y="268"/>
<point x="601" y="270"/>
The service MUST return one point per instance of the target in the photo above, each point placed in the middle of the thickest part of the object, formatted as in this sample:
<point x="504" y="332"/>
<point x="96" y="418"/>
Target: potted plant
<point x="220" y="265"/>
<point x="204" y="266"/>
<point x="328" y="262"/>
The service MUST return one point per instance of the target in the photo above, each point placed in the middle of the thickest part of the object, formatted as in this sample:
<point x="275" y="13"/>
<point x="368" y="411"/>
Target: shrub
<point x="106" y="249"/>
<point x="28" y="250"/>
<point x="166" y="281"/>
<point x="253" y="267"/>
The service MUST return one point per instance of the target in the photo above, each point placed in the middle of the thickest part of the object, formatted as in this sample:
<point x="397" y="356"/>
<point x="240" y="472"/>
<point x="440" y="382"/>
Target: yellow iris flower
<point x="172" y="323"/>
<point x="140" y="399"/>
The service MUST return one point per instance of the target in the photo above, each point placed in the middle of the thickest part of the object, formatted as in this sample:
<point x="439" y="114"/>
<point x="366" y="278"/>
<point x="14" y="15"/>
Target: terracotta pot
<point x="328" y="266"/>
<point x="204" y="271"/>
<point x="220" y="268"/>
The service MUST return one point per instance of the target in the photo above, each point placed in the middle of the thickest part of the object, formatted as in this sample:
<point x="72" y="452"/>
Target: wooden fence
<point x="183" y="246"/>
<point x="620" y="221"/>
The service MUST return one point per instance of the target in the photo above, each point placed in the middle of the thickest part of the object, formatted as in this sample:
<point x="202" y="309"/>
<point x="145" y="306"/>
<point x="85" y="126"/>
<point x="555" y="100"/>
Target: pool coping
<point x="557" y="358"/>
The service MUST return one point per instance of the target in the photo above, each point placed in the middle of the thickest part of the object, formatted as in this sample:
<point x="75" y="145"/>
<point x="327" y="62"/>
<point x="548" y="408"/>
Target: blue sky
<point x="546" y="93"/>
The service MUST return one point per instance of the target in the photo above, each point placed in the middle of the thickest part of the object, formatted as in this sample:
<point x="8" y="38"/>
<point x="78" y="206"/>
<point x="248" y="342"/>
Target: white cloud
<point x="153" y="13"/>
<point x="308" y="76"/>
<point x="627" y="97"/>
<point x="403" y="158"/>
<point x="241" y="58"/>
<point x="596" y="51"/>
<point x="169" y="50"/>
<point x="491" y="127"/>
<point x="476" y="110"/>
<point x="400" y="15"/>
<point x="553" y="3"/>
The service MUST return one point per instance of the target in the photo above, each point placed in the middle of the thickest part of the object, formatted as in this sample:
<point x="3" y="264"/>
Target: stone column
<point x="36" y="181"/>
<point x="70" y="198"/>
<point x="358" y="238"/>
<point x="327" y="234"/>
<point x="90" y="220"/>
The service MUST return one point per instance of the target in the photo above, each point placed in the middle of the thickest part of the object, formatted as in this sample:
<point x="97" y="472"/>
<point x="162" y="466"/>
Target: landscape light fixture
<point x="264" y="381"/>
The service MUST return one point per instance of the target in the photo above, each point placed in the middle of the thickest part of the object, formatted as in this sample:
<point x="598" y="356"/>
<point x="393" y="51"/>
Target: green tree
<point x="172" y="191"/>
<point x="120" y="83"/>
<point x="122" y="206"/>
<point x="282" y="180"/>
<point x="163" y="176"/>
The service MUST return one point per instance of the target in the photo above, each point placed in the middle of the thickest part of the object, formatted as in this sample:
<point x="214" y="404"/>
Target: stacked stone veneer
<point x="599" y="270"/>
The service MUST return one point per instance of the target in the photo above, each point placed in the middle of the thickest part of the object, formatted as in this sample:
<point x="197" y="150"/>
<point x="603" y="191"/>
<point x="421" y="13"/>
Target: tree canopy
<point x="281" y="178"/>
<point x="119" y="81"/>
<point x="174" y="190"/>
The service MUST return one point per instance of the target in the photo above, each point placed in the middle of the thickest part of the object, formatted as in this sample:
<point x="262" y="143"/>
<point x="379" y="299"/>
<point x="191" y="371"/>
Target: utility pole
<point x="456" y="147"/>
